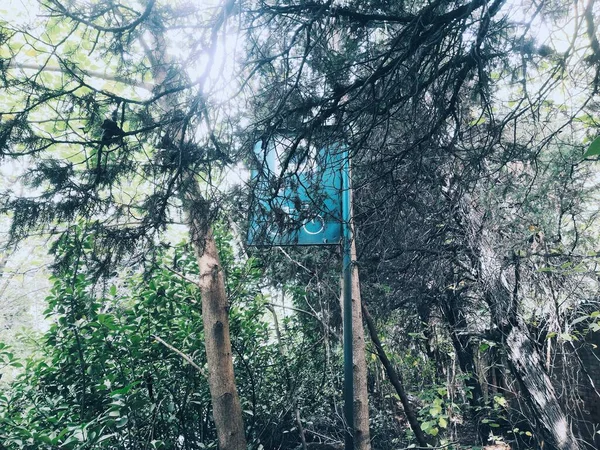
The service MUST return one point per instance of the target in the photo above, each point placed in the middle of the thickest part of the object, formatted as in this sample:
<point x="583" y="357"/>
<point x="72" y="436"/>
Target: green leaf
<point x="433" y="431"/>
<point x="435" y="411"/>
<point x="443" y="422"/>
<point x="567" y="337"/>
<point x="579" y="319"/>
<point x="43" y="438"/>
<point x="479" y="121"/>
<point x="122" y="422"/>
<point x="498" y="399"/>
<point x="593" y="149"/>
<point x="105" y="437"/>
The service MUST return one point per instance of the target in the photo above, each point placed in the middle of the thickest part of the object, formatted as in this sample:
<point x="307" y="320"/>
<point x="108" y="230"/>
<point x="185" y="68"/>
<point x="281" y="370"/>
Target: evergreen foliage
<point x="475" y="215"/>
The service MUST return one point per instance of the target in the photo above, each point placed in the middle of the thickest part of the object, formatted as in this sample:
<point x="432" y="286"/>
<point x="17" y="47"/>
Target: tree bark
<point x="498" y="282"/>
<point x="395" y="379"/>
<point x="432" y="351"/>
<point x="553" y="428"/>
<point x="227" y="411"/>
<point x="362" y="437"/>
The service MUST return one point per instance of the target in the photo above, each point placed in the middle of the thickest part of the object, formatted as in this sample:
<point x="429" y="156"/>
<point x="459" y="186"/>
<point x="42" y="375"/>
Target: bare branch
<point x="63" y="10"/>
<point x="180" y="353"/>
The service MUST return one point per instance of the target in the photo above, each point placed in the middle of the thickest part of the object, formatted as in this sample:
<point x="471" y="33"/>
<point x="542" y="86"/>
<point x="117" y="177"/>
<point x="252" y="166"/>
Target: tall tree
<point x="122" y="159"/>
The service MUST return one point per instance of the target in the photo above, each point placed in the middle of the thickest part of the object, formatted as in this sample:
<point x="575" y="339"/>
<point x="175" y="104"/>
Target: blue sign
<point x="296" y="194"/>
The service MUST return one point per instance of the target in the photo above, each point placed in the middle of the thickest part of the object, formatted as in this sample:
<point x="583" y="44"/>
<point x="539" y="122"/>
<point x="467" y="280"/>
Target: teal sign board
<point x="296" y="195"/>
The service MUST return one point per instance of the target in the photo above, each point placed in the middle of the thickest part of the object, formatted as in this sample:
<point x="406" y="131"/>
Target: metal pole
<point x="347" y="305"/>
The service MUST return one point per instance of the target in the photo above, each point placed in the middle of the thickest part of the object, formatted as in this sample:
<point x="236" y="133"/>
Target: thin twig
<point x="90" y="73"/>
<point x="182" y="276"/>
<point x="308" y="313"/>
<point x="430" y="448"/>
<point x="294" y="261"/>
<point x="292" y="308"/>
<point x="180" y="353"/>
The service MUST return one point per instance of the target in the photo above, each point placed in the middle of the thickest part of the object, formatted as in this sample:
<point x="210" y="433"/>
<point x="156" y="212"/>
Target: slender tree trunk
<point x="227" y="411"/>
<point x="395" y="379"/>
<point x="424" y="311"/>
<point x="554" y="430"/>
<point x="457" y="325"/>
<point x="362" y="437"/>
<point x="498" y="281"/>
<point x="288" y="378"/>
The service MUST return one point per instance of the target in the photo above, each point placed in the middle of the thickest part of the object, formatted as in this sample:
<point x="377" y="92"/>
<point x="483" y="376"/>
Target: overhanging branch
<point x="13" y="64"/>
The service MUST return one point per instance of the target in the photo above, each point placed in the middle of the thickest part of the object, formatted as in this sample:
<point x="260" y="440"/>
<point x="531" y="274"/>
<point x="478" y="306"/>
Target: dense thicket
<point x="474" y="215"/>
<point x="123" y="366"/>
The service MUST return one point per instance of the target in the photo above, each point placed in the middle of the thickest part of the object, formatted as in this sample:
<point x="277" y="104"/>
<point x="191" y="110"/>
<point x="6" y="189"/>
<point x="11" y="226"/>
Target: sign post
<point x="307" y="201"/>
<point x="347" y="290"/>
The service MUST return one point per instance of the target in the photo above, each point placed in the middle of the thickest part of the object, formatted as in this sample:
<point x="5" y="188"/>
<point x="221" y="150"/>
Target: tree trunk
<point x="553" y="428"/>
<point x="432" y="351"/>
<point x="527" y="366"/>
<point x="498" y="281"/>
<point x="227" y="411"/>
<point x="362" y="437"/>
<point x="457" y="325"/>
<point x="395" y="379"/>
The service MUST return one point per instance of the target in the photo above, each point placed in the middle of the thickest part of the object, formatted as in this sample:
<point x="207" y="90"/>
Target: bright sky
<point x="25" y="14"/>
<point x="18" y="12"/>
